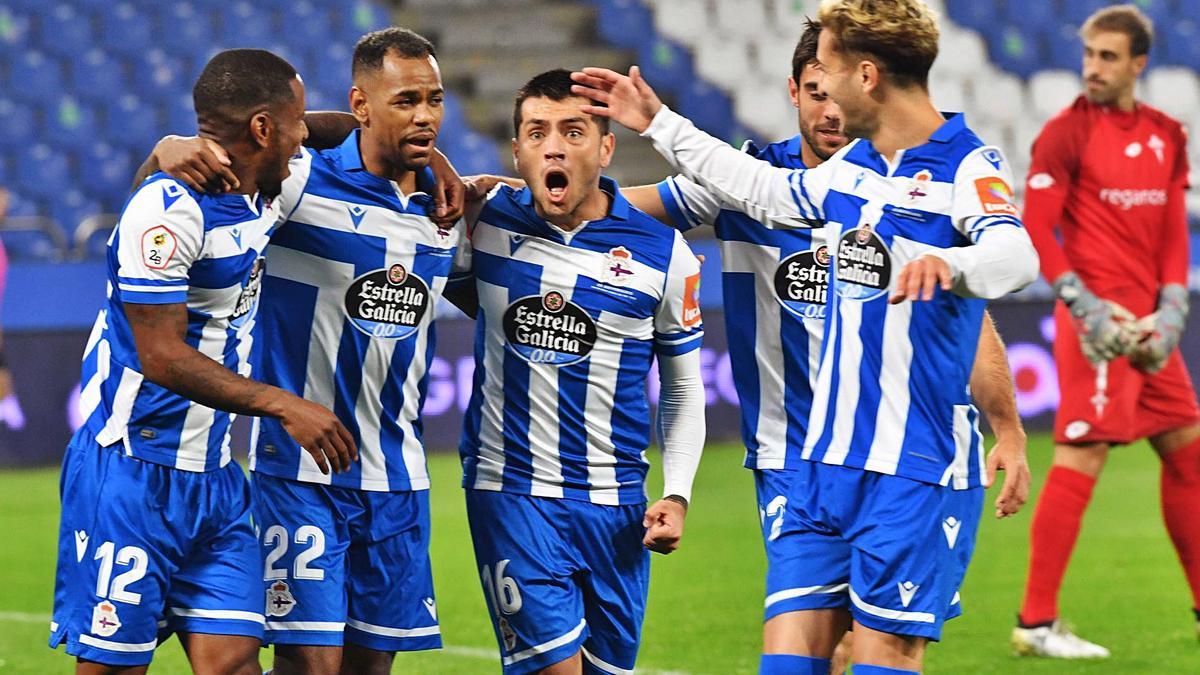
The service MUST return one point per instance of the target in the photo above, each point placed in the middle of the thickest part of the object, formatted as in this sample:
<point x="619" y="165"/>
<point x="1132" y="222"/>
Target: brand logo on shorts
<point x="507" y="633"/>
<point x="950" y="527"/>
<point x="1076" y="430"/>
<point x="105" y="621"/>
<point x="280" y="600"/>
<point x="907" y="590"/>
<point x="431" y="607"/>
<point x="81" y="541"/>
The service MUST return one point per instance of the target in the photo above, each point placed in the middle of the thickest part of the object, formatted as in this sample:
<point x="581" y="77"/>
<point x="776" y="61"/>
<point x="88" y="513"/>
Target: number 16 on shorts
<point x="504" y="596"/>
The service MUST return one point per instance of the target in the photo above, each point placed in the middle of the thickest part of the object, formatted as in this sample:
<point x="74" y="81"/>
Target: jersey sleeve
<point x="678" y="325"/>
<point x="774" y="196"/>
<point x="460" y="267"/>
<point x="1175" y="241"/>
<point x="1052" y="171"/>
<point x="688" y="204"/>
<point x="159" y="236"/>
<point x="299" y="169"/>
<point x="999" y="257"/>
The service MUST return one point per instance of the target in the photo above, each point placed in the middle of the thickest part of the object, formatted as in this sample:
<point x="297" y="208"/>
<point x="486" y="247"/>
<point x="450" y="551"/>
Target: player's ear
<point x="794" y="92"/>
<point x="516" y="163"/>
<point x="359" y="107"/>
<point x="608" y="143"/>
<point x="1139" y="64"/>
<point x="262" y="129"/>
<point x="868" y="75"/>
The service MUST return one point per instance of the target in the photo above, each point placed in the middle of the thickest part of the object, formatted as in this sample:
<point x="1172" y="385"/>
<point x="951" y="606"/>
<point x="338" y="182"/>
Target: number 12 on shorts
<point x="501" y="590"/>
<point x="128" y="555"/>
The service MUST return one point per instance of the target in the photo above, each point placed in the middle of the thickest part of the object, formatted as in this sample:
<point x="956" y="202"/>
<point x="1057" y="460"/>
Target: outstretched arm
<point x="992" y="388"/>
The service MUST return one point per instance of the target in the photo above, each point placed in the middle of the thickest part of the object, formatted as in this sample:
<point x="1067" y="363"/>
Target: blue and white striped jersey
<point x="567" y="328"/>
<point x="774" y="340"/>
<point x="892" y="388"/>
<point x="172" y="245"/>
<point x="352" y="284"/>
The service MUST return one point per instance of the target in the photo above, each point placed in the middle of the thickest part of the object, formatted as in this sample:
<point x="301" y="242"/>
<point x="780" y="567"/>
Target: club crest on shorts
<point x="105" y="621"/>
<point x="508" y="634"/>
<point x="617" y="266"/>
<point x="280" y="600"/>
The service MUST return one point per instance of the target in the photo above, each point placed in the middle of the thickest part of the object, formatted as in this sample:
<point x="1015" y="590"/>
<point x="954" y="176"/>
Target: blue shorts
<point x="561" y="576"/>
<point x="893" y="550"/>
<point x="146" y="550"/>
<point x="345" y="565"/>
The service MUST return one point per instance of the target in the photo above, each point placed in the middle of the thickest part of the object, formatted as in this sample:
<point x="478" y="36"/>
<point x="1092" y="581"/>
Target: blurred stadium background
<point x="88" y="86"/>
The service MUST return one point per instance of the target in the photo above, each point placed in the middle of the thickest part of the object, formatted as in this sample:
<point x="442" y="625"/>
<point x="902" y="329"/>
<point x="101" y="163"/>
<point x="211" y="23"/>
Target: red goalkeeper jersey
<point x="1112" y="183"/>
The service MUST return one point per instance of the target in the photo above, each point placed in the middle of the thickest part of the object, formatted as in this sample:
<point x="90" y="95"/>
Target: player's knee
<point x="358" y="660"/>
<point x="1086" y="458"/>
<point x="308" y="659"/>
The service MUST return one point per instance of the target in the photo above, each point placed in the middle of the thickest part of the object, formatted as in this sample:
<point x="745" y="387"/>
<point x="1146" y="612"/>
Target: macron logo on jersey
<point x="171" y="194"/>
<point x="357" y="213"/>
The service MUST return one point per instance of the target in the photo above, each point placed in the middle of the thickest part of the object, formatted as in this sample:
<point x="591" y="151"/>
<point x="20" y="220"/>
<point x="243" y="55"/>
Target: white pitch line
<point x="452" y="650"/>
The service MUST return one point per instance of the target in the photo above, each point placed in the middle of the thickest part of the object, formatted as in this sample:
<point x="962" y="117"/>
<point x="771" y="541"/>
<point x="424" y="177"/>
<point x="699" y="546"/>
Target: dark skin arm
<point x="327" y="128"/>
<point x="168" y="361"/>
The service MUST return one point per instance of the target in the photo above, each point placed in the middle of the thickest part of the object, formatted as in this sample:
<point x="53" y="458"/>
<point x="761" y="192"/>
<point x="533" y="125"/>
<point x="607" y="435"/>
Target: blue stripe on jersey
<point x="152" y="423"/>
<point x="631" y="421"/>
<point x="675" y="206"/>
<point x="347" y="240"/>
<point x="741" y="326"/>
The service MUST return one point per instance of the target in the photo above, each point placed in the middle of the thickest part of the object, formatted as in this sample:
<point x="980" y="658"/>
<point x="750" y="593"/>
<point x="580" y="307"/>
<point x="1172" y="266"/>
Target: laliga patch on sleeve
<point x="996" y="196"/>
<point x="691" y="301"/>
<point x="158" y="247"/>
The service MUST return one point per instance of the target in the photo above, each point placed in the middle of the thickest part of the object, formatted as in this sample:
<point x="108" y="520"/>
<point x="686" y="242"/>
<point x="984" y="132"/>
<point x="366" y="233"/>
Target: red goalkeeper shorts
<point x="1115" y="402"/>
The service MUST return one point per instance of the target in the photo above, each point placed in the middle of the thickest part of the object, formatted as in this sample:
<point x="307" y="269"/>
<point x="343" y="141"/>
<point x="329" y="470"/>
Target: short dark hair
<point x="554" y="85"/>
<point x="1127" y="19"/>
<point x="373" y="47"/>
<point x="806" y="48"/>
<point x="237" y="83"/>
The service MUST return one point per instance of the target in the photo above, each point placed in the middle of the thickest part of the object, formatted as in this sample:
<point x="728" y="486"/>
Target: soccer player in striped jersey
<point x="353" y="279"/>
<point x="579" y="294"/>
<point x="155" y="535"/>
<point x="775" y="342"/>
<point x="920" y="210"/>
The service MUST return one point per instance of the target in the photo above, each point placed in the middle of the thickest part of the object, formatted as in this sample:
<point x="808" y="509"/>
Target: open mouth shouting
<point x="556" y="186"/>
<point x="419" y="144"/>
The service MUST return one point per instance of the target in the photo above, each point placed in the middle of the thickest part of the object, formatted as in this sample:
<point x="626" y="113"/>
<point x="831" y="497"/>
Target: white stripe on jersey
<point x="891" y="420"/>
<point x="491" y="416"/>
<point x="850" y="315"/>
<point x="601" y="470"/>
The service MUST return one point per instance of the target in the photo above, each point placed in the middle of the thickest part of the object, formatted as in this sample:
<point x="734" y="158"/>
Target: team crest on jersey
<point x="802" y="283"/>
<point x="617" y="266"/>
<point x="1156" y="146"/>
<point x="996" y="196"/>
<point x="158" y="247"/>
<point x="863" y="265"/>
<point x="918" y="187"/>
<point x="105" y="621"/>
<point x="387" y="303"/>
<point x="247" y="300"/>
<point x="280" y="600"/>
<point x="549" y="329"/>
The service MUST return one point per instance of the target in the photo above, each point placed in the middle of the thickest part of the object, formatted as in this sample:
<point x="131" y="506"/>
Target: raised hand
<point x="625" y="99"/>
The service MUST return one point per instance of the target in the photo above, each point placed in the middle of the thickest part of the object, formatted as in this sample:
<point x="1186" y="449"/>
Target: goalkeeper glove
<point x="1103" y="326"/>
<point x="1161" y="330"/>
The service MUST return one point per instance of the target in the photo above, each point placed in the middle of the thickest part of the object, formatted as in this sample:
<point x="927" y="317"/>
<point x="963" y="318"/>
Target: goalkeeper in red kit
<point x="1110" y="173"/>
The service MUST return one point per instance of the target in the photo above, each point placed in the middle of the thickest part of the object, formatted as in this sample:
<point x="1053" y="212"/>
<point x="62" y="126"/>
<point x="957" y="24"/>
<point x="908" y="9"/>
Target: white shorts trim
<point x="604" y="665"/>
<point x="236" y="615"/>
<point x="546" y="646"/>
<point x="956" y="599"/>
<point x="394" y="632"/>
<point x="322" y="626"/>
<point x="780" y="596"/>
<point x="53" y="626"/>
<point x="117" y="646"/>
<point x="891" y="614"/>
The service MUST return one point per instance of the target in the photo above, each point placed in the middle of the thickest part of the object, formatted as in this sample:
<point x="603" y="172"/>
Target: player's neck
<point x="377" y="163"/>
<point x="907" y="121"/>
<point x="594" y="206"/>
<point x="246" y="170"/>
<point x="807" y="155"/>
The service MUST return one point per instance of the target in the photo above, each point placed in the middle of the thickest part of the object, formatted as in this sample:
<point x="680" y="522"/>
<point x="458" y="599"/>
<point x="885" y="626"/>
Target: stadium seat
<point x="710" y="108"/>
<point x="304" y="23"/>
<point x="96" y="76"/>
<point x="179" y="115"/>
<point x="20" y="205"/>
<point x="724" y="62"/>
<point x="106" y="172"/>
<point x="764" y="104"/>
<point x="32" y="239"/>
<point x="331" y="70"/>
<point x="34" y="76"/>
<point x="192" y="30"/>
<point x="160" y="75"/>
<point x="1017" y="49"/>
<point x="625" y="23"/>
<point x="128" y="30"/>
<point x="64" y="30"/>
<point x="684" y="21"/>
<point x="1063" y="48"/>
<point x="17" y="121"/>
<point x="131" y="122"/>
<point x="949" y="94"/>
<point x="969" y="50"/>
<point x="14" y="32"/>
<point x="474" y="154"/>
<point x="363" y="17"/>
<point x="71" y="207"/>
<point x="787" y="16"/>
<point x="774" y="58"/>
<point x="1175" y="91"/>
<point x="1182" y="42"/>
<point x="746" y="20"/>
<point x="242" y="25"/>
<point x="1052" y="90"/>
<point x="1001" y="96"/>
<point x="1077" y="11"/>
<point x="42" y="171"/>
<point x="69" y="124"/>
<point x="1030" y="12"/>
<point x="665" y="64"/>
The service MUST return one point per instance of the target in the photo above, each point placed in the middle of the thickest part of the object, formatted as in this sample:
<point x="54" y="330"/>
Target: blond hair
<point x="1127" y="19"/>
<point x="900" y="36"/>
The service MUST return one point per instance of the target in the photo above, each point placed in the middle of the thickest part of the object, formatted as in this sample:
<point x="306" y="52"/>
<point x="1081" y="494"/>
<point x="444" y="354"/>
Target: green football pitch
<point x="1124" y="589"/>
